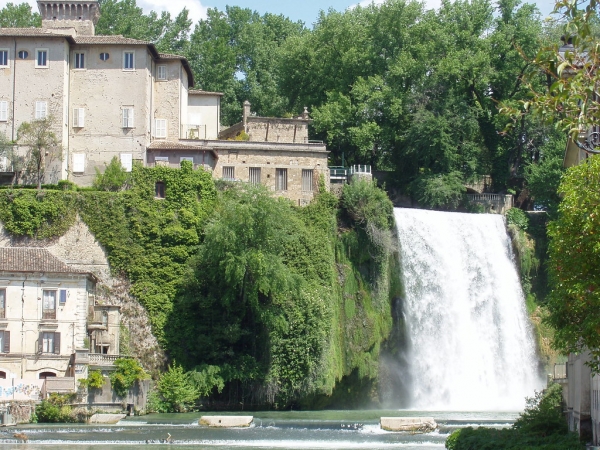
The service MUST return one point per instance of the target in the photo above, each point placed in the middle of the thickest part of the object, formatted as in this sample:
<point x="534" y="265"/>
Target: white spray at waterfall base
<point x="471" y="346"/>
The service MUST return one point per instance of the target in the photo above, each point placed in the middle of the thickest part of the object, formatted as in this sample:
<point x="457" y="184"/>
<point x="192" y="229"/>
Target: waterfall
<point x="470" y="343"/>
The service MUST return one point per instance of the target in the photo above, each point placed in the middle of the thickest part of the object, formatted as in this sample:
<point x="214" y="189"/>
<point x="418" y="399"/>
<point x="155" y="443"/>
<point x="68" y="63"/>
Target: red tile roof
<point x="26" y="259"/>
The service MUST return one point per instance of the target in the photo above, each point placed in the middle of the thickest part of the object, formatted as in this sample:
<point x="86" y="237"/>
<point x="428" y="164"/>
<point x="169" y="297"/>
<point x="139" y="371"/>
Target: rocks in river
<point x="226" y="421"/>
<point x="414" y="424"/>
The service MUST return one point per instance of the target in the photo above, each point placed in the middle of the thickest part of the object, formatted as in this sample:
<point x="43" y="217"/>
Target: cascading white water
<point x="471" y="345"/>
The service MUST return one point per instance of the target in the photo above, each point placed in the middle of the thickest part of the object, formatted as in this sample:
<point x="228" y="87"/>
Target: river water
<point x="270" y="430"/>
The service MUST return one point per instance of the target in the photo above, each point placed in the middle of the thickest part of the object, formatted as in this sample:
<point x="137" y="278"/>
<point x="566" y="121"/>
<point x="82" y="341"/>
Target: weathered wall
<point x="22" y="84"/>
<point x="103" y="89"/>
<point x="166" y="101"/>
<point x="204" y="109"/>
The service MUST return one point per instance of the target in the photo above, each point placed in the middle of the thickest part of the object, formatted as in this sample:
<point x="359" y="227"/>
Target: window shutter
<point x="41" y="342"/>
<point x="127" y="161"/>
<point x="130" y="118"/>
<point x="57" y="343"/>
<point x="78" y="117"/>
<point x="3" y="111"/>
<point x="127" y="117"/>
<point x="6" y="348"/>
<point x="40" y="110"/>
<point x="78" y="162"/>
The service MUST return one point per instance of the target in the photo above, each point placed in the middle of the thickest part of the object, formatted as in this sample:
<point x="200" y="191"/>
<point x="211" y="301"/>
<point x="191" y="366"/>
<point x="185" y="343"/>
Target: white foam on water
<point x="471" y="344"/>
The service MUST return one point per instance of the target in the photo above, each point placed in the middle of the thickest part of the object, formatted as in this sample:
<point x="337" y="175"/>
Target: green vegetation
<point x="94" y="380"/>
<point x="57" y="409"/>
<point x="127" y="372"/>
<point x="114" y="178"/>
<point x="174" y="391"/>
<point x="541" y="426"/>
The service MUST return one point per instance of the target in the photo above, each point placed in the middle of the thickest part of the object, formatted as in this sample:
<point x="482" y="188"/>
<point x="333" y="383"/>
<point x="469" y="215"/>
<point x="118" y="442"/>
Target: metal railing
<point x="49" y="314"/>
<point x="360" y="169"/>
<point x="338" y="172"/>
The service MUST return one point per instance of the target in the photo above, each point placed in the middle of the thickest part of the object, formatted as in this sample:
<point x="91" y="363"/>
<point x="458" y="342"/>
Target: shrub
<point x="94" y="380"/>
<point x="517" y="217"/>
<point x="176" y="391"/>
<point x="56" y="409"/>
<point x="127" y="374"/>
<point x="114" y="178"/>
<point x="441" y="191"/>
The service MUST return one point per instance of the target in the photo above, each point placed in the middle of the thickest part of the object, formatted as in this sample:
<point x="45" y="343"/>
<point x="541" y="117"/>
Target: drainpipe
<point x="23" y="328"/>
<point x="14" y="89"/>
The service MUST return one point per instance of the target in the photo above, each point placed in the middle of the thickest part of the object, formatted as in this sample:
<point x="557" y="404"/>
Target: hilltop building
<point x="114" y="96"/>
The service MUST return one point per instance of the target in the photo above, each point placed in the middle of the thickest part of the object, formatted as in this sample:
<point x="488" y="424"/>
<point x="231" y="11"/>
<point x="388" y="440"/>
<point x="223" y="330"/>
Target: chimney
<point x="245" y="114"/>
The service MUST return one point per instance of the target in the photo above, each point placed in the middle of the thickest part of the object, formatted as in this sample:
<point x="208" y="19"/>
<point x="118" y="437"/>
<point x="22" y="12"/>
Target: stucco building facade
<point x="111" y="96"/>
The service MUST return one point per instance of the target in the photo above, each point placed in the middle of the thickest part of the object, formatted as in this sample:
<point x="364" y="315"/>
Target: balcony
<point x="193" y="131"/>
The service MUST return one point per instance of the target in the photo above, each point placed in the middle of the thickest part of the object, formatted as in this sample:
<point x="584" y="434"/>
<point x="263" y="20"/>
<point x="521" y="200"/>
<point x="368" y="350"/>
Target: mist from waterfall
<point x="470" y="343"/>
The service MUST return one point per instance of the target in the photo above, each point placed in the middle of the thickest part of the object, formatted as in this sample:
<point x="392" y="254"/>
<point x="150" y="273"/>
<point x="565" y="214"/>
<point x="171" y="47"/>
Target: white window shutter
<point x="78" y="162"/>
<point x="78" y="117"/>
<point x="3" y="111"/>
<point x="127" y="161"/>
<point x="81" y="117"/>
<point x="40" y="110"/>
<point x="125" y="117"/>
<point x="160" y="128"/>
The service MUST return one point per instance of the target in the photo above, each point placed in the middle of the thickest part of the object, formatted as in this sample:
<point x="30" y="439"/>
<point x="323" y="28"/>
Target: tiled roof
<point x="114" y="39"/>
<point x="33" y="32"/>
<point x="174" y="145"/>
<point x="24" y="259"/>
<point x="201" y="92"/>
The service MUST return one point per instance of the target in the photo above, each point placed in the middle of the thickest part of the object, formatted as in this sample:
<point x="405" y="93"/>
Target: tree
<point x="177" y="391"/>
<point x="114" y="178"/>
<point x="42" y="147"/>
<point x="19" y="16"/>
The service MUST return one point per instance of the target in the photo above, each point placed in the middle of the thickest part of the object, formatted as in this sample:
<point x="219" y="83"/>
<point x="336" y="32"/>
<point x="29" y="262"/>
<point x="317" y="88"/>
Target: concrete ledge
<point x="106" y="418"/>
<point x="414" y="424"/>
<point x="226" y="421"/>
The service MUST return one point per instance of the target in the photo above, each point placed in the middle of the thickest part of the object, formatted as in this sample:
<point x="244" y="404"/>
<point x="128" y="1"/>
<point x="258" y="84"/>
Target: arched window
<point x="2" y="375"/>
<point x="44" y="375"/>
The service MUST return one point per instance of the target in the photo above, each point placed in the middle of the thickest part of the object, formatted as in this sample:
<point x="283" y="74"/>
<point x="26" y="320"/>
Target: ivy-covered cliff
<point x="266" y="303"/>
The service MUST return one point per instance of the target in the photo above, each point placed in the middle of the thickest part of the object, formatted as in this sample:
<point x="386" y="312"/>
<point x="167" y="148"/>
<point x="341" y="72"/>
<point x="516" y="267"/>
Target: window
<point x="128" y="61"/>
<point x="62" y="299"/>
<point x="41" y="57"/>
<point x="2" y="375"/>
<point x="160" y="130"/>
<point x="127" y="117"/>
<point x="2" y="303"/>
<point x="48" y="304"/>
<point x="78" y="117"/>
<point x="49" y="342"/>
<point x="161" y="72"/>
<point x="281" y="179"/>
<point x="41" y="110"/>
<point x="161" y="160"/>
<point x="127" y="161"/>
<point x="307" y="180"/>
<point x="3" y="111"/>
<point x="104" y="56"/>
<point x="3" y="57"/>
<point x="254" y="175"/>
<point x="159" y="189"/>
<point x="229" y="173"/>
<point x="78" y="162"/>
<point x="79" y="60"/>
<point x="5" y="341"/>
<point x="23" y="54"/>
<point x="44" y="375"/>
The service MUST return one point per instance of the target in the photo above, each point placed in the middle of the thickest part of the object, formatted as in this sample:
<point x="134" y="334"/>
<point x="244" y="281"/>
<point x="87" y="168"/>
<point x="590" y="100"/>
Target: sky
<point x="304" y="10"/>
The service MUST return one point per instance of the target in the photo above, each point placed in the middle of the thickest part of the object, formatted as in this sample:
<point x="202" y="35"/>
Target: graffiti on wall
<point x="21" y="389"/>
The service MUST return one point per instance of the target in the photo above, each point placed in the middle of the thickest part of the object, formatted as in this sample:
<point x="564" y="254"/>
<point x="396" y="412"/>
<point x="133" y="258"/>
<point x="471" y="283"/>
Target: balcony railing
<point x="338" y="172"/>
<point x="101" y="358"/>
<point x="360" y="168"/>
<point x="49" y="314"/>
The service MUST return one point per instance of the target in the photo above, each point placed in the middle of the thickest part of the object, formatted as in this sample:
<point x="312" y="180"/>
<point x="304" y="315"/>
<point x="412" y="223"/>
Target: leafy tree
<point x="19" y="16"/>
<point x="114" y="178"/>
<point x="233" y="51"/>
<point x="124" y="17"/>
<point x="42" y="147"/>
<point x="176" y="390"/>
<point x="128" y="372"/>
<point x="574" y="256"/>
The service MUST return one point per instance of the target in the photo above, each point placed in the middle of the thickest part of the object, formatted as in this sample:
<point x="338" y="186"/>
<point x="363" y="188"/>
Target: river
<point x="270" y="430"/>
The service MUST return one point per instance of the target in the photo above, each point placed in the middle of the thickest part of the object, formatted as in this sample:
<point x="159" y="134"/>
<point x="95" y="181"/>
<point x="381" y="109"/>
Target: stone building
<point x="111" y="96"/>
<point x="44" y="309"/>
